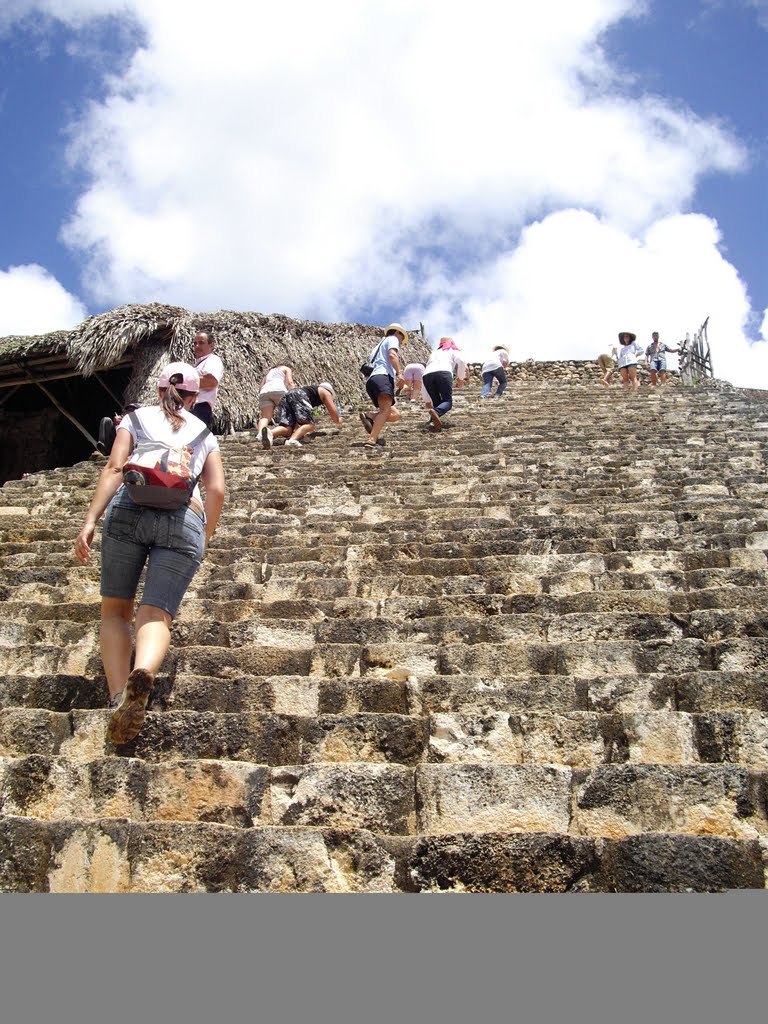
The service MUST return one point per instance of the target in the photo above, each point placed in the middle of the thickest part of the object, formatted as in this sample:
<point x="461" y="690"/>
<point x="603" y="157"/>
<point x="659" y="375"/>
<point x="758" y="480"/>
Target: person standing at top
<point x="656" y="358"/>
<point x="438" y="379"/>
<point x="211" y="370"/>
<point x="495" y="368"/>
<point x="627" y="356"/>
<point x="155" y="517"/>
<point x="276" y="383"/>
<point x="386" y="375"/>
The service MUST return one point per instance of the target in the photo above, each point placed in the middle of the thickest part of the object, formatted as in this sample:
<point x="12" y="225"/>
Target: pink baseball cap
<point x="182" y="376"/>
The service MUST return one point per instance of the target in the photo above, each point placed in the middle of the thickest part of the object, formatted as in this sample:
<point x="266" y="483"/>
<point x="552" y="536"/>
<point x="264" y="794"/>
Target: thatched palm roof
<point x="148" y="336"/>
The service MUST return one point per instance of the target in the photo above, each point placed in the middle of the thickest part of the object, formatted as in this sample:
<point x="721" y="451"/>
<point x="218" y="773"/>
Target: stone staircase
<point x="526" y="654"/>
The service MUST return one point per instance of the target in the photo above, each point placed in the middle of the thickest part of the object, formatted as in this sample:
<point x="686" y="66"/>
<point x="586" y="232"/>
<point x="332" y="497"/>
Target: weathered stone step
<point x="613" y="801"/>
<point x="271" y="739"/>
<point x="121" y="856"/>
<point x="351" y="795"/>
<point x="399" y="692"/>
<point x="573" y="738"/>
<point x="610" y="801"/>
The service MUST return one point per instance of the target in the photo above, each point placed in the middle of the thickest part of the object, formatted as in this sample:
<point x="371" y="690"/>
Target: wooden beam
<point x="52" y="398"/>
<point x="110" y="392"/>
<point x="9" y="393"/>
<point x="27" y="376"/>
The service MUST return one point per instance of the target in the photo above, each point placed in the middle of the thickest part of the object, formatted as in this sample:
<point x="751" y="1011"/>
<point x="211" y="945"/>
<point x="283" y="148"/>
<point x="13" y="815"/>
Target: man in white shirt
<point x="211" y="370"/>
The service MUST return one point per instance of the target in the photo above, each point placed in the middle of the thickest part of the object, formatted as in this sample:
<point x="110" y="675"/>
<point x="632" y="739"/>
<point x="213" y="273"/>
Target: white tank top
<point x="274" y="381"/>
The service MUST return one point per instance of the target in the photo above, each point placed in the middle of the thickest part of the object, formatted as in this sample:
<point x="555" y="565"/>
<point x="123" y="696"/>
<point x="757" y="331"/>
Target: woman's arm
<point x="330" y="405"/>
<point x="215" y="490"/>
<point x="106" y="488"/>
<point x="394" y="361"/>
<point x="288" y="377"/>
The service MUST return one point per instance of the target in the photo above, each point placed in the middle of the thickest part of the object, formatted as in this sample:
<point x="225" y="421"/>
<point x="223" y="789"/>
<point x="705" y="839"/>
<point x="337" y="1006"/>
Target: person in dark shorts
<point x="386" y="376"/>
<point x="294" y="416"/>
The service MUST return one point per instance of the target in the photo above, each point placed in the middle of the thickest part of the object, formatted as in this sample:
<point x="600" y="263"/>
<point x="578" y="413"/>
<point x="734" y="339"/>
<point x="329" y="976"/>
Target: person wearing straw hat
<point x="167" y="537"/>
<point x="294" y="416"/>
<point x="384" y="378"/>
<point x="495" y="368"/>
<point x="627" y="356"/>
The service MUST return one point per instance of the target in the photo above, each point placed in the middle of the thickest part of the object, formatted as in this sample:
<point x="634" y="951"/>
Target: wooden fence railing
<point x="695" y="358"/>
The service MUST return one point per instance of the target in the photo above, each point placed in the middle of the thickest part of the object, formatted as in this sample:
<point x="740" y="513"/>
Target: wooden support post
<point x="63" y="411"/>
<point x="8" y="394"/>
<point x="111" y="393"/>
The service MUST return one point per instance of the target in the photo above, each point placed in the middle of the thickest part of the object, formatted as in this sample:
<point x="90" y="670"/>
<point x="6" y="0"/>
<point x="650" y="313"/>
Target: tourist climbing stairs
<point x="525" y="653"/>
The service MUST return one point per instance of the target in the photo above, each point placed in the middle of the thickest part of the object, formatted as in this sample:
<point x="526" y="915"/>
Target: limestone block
<point x="599" y="659"/>
<point x="298" y="635"/>
<point x="410" y="660"/>
<point x="752" y="739"/>
<point x="660" y="737"/>
<point x="500" y="798"/>
<point x="632" y="693"/>
<point x="758" y="540"/>
<point x="379" y="797"/>
<point x="388" y="694"/>
<point x="751" y="557"/>
<point x="621" y="800"/>
<point x="575" y="739"/>
<point x="670" y="863"/>
<point x="742" y="655"/>
<point x="32" y="731"/>
<point x="227" y="792"/>
<point x="567" y="584"/>
<point x="336" y="660"/>
<point x="46" y="787"/>
<point x="13" y="515"/>
<point x="499" y="862"/>
<point x="479" y="739"/>
<point x="373" y="738"/>
<point x="297" y="860"/>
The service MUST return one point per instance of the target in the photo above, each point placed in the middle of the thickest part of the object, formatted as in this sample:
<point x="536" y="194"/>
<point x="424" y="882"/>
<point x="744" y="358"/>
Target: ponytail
<point x="171" y="401"/>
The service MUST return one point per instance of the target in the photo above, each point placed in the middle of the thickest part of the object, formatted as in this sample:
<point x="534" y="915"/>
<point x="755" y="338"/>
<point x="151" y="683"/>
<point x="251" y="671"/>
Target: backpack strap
<point x="140" y="432"/>
<point x="196" y="440"/>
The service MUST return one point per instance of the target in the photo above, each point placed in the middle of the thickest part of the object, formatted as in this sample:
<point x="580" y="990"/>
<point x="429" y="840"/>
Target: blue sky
<point x="545" y="174"/>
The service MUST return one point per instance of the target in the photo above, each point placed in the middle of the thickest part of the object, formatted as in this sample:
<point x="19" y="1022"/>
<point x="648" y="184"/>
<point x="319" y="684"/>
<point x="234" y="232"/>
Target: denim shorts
<point x="170" y="544"/>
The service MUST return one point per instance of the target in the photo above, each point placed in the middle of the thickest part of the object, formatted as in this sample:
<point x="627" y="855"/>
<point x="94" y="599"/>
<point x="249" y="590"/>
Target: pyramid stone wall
<point x="525" y="654"/>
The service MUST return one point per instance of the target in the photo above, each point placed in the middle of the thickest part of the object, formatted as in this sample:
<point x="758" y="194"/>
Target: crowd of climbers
<point x="157" y="522"/>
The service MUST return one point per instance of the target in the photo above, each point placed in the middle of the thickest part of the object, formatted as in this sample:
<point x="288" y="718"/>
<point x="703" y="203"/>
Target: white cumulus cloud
<point x="481" y="165"/>
<point x="33" y="302"/>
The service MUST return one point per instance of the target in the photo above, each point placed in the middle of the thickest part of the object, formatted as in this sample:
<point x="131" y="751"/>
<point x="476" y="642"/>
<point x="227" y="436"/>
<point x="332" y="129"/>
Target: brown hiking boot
<point x="127" y="721"/>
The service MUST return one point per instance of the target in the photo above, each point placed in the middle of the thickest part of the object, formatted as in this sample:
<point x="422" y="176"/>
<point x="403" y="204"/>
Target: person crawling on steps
<point x="294" y="417"/>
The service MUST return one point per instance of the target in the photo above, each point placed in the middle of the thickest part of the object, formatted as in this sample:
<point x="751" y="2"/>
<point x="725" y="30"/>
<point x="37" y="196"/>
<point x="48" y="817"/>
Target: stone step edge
<point x="117" y="856"/>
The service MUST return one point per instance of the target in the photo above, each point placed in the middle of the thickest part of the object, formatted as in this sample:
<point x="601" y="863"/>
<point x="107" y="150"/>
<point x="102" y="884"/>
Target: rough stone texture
<point x="529" y="653"/>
